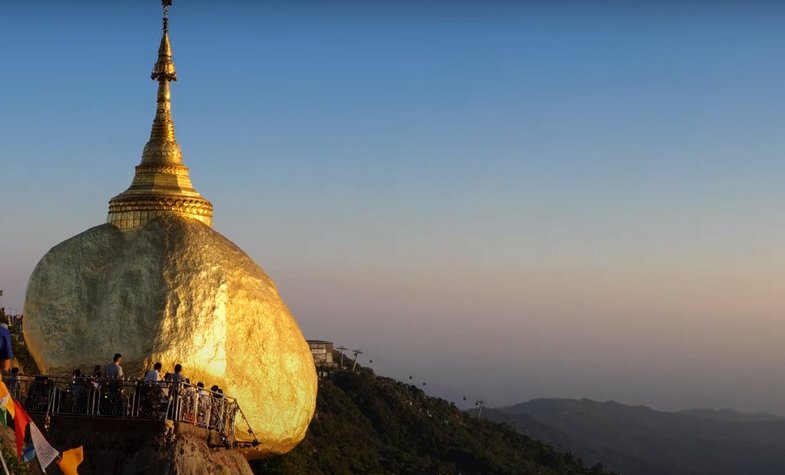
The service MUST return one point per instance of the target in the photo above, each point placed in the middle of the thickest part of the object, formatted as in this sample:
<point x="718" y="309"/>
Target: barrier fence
<point x="127" y="399"/>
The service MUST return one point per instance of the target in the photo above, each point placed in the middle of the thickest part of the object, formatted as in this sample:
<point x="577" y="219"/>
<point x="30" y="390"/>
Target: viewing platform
<point x="117" y="405"/>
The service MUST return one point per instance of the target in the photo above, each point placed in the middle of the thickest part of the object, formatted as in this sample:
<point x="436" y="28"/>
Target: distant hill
<point x="370" y="424"/>
<point x="637" y="440"/>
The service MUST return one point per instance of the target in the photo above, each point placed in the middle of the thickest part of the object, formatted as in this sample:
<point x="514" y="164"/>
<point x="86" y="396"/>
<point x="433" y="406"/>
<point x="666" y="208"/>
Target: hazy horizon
<point x="505" y="200"/>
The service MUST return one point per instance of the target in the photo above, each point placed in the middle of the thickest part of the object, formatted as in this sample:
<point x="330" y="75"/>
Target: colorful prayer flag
<point x="21" y="419"/>
<point x="70" y="460"/>
<point x="6" y="404"/>
<point x="28" y="453"/>
<point x="43" y="449"/>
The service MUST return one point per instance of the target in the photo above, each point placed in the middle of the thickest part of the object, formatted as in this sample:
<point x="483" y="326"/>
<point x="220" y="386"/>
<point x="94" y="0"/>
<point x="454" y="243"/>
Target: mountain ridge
<point x="639" y="440"/>
<point x="372" y="424"/>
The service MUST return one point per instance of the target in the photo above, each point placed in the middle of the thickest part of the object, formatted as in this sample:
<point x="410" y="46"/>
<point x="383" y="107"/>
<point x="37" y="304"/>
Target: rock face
<point x="144" y="447"/>
<point x="175" y="291"/>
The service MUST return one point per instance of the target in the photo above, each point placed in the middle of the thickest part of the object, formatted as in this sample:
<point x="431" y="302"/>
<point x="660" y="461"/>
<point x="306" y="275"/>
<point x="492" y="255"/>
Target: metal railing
<point x="126" y="399"/>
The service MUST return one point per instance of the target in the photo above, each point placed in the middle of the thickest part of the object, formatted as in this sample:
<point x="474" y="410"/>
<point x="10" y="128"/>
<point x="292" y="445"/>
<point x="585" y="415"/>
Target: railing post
<point x="221" y="406"/>
<point x="132" y="403"/>
<point x="196" y="406"/>
<point x="234" y="415"/>
<point x="50" y="406"/>
<point x="178" y="402"/>
<point x="96" y="399"/>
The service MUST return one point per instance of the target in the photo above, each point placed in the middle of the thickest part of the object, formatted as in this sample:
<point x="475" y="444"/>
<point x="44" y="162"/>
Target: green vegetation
<point x="14" y="465"/>
<point x="370" y="424"/>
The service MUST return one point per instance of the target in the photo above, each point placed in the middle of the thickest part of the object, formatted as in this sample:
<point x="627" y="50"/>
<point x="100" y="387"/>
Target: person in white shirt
<point x="154" y="375"/>
<point x="113" y="370"/>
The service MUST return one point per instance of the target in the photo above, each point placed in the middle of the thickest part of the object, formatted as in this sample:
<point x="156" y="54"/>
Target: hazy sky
<point x="505" y="200"/>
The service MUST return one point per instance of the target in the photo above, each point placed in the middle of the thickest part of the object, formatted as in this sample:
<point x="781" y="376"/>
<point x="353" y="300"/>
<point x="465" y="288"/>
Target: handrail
<point x="125" y="399"/>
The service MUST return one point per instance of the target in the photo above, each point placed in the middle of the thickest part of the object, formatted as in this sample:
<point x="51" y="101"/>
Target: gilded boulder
<point x="175" y="291"/>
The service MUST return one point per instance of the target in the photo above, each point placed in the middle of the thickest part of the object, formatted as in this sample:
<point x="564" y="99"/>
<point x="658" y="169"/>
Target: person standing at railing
<point x="177" y="380"/>
<point x="95" y="379"/>
<point x="78" y="391"/>
<point x="113" y="370"/>
<point x="178" y="376"/>
<point x="217" y="407"/>
<point x="112" y="398"/>
<point x="154" y="375"/>
<point x="151" y="392"/>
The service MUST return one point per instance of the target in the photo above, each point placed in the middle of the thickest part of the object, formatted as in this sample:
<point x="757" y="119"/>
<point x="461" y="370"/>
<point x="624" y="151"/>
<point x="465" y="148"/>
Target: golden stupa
<point x="157" y="283"/>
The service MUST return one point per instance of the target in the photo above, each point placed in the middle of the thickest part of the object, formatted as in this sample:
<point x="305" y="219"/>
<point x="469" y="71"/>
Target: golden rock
<point x="157" y="283"/>
<point x="175" y="291"/>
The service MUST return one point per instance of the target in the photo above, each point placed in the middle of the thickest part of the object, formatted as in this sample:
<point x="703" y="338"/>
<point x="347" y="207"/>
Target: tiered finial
<point x="161" y="184"/>
<point x="164" y="67"/>
<point x="163" y="146"/>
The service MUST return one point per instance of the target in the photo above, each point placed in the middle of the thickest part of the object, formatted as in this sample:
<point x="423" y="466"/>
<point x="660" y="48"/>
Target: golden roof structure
<point x="161" y="184"/>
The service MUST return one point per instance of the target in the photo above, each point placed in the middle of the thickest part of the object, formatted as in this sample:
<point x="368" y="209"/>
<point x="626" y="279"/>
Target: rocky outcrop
<point x="131" y="447"/>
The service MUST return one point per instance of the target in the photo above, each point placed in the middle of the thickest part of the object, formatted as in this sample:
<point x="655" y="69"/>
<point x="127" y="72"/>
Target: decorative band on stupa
<point x="161" y="184"/>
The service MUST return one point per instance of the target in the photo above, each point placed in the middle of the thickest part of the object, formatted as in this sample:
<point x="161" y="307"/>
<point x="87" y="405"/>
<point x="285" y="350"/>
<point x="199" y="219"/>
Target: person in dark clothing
<point x="6" y="351"/>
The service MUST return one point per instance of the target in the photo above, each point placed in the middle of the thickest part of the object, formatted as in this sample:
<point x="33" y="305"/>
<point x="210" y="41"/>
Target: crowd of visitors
<point x="106" y="393"/>
<point x="114" y="370"/>
<point x="156" y="391"/>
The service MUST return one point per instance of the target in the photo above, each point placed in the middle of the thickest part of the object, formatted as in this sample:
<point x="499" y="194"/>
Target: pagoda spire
<point x="162" y="146"/>
<point x="161" y="183"/>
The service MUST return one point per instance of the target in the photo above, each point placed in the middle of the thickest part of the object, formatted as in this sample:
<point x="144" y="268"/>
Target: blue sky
<point x="504" y="199"/>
